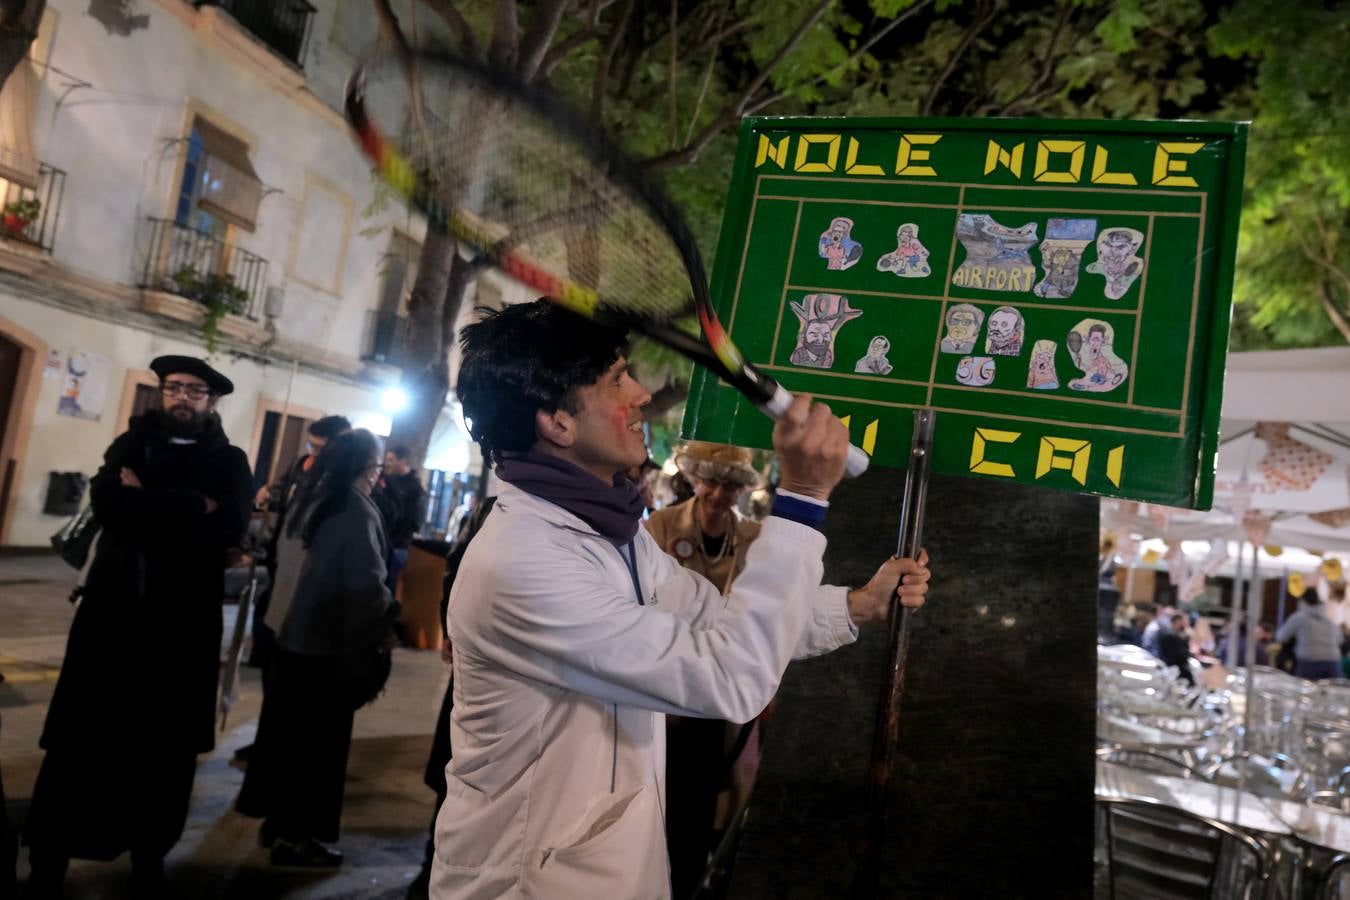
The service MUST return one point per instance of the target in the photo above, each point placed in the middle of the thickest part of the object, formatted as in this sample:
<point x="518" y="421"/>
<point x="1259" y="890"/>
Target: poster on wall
<point x="85" y="388"/>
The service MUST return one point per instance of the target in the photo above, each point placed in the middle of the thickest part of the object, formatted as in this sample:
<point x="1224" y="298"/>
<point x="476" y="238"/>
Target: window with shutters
<point x="219" y="187"/>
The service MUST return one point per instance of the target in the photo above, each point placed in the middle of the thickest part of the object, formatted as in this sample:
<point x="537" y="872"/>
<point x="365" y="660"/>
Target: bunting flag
<point x="1297" y="586"/>
<point x="1332" y="518"/>
<point x="1289" y="463"/>
<point x="1256" y="525"/>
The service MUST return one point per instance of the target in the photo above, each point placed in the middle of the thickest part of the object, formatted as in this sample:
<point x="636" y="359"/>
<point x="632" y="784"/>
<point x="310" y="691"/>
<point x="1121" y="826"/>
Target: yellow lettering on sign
<point x="1009" y="159"/>
<point x="1076" y="462"/>
<point x="1100" y="162"/>
<point x="853" y="167"/>
<point x="1115" y="460"/>
<point x="910" y="153"/>
<point x="777" y="153"/>
<point x="1076" y="150"/>
<point x="804" y="144"/>
<point x="981" y="466"/>
<point x="1164" y="163"/>
<point x="869" y="441"/>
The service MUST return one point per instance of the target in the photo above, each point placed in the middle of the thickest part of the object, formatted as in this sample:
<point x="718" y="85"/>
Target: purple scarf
<point x="613" y="510"/>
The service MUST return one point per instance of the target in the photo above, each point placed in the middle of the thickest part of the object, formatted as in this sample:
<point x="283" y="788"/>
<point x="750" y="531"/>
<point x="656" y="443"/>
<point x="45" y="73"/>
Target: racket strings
<point x="520" y="187"/>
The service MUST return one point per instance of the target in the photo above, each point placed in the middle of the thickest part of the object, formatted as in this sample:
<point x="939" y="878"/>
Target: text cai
<point x="1046" y="161"/>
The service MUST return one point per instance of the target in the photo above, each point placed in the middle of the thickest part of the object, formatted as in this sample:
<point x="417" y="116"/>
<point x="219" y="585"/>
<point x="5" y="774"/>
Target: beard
<point x="817" y="348"/>
<point x="183" y="421"/>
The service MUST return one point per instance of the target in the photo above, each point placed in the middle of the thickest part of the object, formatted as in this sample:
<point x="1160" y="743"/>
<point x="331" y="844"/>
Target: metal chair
<point x="1147" y="760"/>
<point x="1260" y="777"/>
<point x="1335" y="877"/>
<point x="1157" y="852"/>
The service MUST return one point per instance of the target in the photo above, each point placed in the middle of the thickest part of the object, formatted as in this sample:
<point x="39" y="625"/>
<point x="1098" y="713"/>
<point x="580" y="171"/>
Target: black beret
<point x="164" y="366"/>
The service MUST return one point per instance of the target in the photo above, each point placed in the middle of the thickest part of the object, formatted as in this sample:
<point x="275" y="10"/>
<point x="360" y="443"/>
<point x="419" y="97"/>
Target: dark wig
<point x="328" y="485"/>
<point x="525" y="358"/>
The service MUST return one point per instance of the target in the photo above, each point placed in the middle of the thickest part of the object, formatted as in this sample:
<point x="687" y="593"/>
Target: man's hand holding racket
<point x="812" y="448"/>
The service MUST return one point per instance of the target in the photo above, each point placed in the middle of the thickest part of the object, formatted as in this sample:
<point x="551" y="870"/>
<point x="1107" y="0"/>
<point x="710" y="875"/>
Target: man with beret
<point x="708" y="535"/>
<point x="135" y="700"/>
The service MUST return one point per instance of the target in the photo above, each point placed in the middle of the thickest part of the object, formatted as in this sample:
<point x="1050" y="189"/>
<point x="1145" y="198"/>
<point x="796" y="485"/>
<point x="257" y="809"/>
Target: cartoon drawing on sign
<point x="996" y="256"/>
<point x="875" y="362"/>
<point x="909" y="259"/>
<point x="820" y="316"/>
<point x="1091" y="346"/>
<point x="837" y="244"/>
<point x="1116" y="259"/>
<point x="1005" y="332"/>
<point x="975" y="371"/>
<point x="1061" y="254"/>
<point x="1041" y="374"/>
<point x="963" y="327"/>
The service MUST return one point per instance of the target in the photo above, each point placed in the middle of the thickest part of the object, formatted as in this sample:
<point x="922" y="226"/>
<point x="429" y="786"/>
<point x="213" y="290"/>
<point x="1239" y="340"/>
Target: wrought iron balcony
<point x="29" y="215"/>
<point x="386" y="338"/>
<point x="282" y="25"/>
<point x="196" y="265"/>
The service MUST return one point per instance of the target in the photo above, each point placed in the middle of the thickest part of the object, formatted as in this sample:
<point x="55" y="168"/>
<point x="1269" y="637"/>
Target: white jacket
<point x="561" y="680"/>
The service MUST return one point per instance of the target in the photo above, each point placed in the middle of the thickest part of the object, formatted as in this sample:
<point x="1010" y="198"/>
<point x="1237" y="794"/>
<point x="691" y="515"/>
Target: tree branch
<point x="605" y="64"/>
<point x="540" y="33"/>
<point x="737" y="107"/>
<point x="505" y="34"/>
<point x="559" y="51"/>
<point x="980" y="24"/>
<point x="1338" y="318"/>
<point x="1030" y="92"/>
<point x="673" y="101"/>
<point x="706" y="83"/>
<point x="459" y="27"/>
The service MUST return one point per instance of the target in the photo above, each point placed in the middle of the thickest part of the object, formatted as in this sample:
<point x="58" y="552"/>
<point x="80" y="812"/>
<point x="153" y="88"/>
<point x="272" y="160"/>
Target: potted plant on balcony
<point x="217" y="292"/>
<point x="18" y="214"/>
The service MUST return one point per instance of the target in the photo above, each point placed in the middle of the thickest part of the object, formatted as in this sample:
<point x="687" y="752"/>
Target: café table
<point x="1223" y="804"/>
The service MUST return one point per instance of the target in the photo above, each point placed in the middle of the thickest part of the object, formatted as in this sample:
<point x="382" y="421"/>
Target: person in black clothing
<point x="1176" y="647"/>
<point x="403" y="503"/>
<point x="274" y="499"/>
<point x="136" y="698"/>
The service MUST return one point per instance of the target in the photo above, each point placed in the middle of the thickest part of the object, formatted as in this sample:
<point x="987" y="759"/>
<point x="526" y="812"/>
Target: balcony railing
<point x="282" y="25"/>
<point x="386" y="338"/>
<point x="31" y="215"/>
<point x="201" y="267"/>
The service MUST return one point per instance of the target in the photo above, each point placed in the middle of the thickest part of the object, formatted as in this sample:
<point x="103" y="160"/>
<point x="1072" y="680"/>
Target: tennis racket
<point x="548" y="199"/>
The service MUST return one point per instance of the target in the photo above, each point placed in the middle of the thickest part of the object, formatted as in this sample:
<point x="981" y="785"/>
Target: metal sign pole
<point x="886" y="736"/>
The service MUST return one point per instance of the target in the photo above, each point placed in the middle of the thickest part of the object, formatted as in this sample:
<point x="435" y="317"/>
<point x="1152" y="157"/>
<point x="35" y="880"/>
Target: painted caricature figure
<point x="1041" y="374"/>
<point x="1091" y="346"/>
<point x="819" y="316"/>
<point x="1061" y="254"/>
<point x="909" y="259"/>
<point x="963" y="327"/>
<point x="875" y="362"/>
<point x="837" y="244"/>
<point x="1005" y="332"/>
<point x="1116" y="260"/>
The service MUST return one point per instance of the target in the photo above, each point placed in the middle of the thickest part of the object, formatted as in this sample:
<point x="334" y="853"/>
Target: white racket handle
<point x="778" y="405"/>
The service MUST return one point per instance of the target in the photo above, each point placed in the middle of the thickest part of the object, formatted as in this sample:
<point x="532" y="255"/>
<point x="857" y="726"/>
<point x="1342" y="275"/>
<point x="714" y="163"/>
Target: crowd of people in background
<point x="324" y="543"/>
<point x="1312" y="642"/>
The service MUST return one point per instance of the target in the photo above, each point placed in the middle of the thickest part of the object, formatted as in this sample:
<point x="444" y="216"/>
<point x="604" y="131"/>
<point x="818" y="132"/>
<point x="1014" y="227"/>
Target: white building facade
<point x="197" y="192"/>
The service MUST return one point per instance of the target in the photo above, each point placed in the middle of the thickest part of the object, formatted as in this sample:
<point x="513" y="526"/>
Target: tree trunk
<point x="426" y="364"/>
<point x="19" y="20"/>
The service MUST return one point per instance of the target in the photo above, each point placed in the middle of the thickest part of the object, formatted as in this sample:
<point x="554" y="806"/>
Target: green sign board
<point x="1058" y="291"/>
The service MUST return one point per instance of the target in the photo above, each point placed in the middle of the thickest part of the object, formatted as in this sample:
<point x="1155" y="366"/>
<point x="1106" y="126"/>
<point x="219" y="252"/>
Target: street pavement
<point x="387" y="809"/>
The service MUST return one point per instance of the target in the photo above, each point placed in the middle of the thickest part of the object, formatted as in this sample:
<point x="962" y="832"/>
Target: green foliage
<point x="1294" y="250"/>
<point x="28" y="210"/>
<point x="218" y="293"/>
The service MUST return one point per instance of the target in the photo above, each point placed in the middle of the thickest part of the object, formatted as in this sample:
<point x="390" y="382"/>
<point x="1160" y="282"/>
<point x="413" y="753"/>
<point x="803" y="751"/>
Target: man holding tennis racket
<point x="574" y="633"/>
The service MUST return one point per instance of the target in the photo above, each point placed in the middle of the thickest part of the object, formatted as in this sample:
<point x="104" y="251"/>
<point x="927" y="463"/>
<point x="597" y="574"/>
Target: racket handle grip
<point x="779" y="403"/>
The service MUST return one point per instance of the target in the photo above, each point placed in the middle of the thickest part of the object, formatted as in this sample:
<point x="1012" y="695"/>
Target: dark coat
<point x="403" y="503"/>
<point x="143" y="658"/>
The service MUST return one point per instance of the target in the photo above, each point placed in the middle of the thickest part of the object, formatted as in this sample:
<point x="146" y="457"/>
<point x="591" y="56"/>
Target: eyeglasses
<point x="178" y="389"/>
